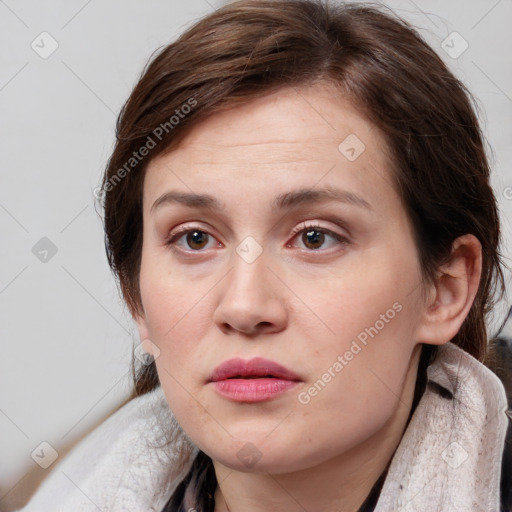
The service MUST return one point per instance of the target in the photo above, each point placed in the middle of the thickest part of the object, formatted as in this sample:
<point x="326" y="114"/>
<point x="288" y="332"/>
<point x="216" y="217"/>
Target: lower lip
<point x="252" y="390"/>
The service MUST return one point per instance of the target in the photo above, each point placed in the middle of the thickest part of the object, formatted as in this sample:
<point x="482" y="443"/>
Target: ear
<point x="452" y="295"/>
<point x="142" y="327"/>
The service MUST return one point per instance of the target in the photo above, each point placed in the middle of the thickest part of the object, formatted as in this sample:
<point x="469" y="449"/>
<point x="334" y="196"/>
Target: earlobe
<point x="453" y="292"/>
<point x="148" y="347"/>
<point x="142" y="327"/>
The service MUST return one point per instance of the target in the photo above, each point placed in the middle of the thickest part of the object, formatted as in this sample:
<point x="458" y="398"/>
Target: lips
<point x="256" y="380"/>
<point x="252" y="369"/>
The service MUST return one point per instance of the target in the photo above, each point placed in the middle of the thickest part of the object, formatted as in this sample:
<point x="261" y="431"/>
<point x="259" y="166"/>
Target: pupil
<point x="311" y="238"/>
<point x="195" y="238"/>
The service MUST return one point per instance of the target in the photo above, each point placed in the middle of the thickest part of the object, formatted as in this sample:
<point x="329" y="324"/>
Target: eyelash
<point x="341" y="240"/>
<point x="315" y="227"/>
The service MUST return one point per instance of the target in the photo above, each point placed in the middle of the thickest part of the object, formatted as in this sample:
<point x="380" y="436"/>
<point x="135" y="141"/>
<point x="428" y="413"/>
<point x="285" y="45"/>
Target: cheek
<point x="372" y="296"/>
<point x="177" y="322"/>
<point x="352" y="407"/>
<point x="169" y="297"/>
<point x="358" y="350"/>
<point x="178" y="316"/>
<point x="357" y="380"/>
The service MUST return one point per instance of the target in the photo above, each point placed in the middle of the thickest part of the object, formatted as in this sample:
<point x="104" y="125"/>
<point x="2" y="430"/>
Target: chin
<point x="255" y="453"/>
<point x="249" y="459"/>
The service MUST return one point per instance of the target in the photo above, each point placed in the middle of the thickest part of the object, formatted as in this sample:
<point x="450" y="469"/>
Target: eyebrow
<point x="281" y="202"/>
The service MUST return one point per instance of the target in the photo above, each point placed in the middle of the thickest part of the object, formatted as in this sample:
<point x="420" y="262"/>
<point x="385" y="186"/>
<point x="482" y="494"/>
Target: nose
<point x="252" y="299"/>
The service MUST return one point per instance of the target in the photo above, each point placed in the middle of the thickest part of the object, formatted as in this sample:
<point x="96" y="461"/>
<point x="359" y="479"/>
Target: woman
<point x="299" y="213"/>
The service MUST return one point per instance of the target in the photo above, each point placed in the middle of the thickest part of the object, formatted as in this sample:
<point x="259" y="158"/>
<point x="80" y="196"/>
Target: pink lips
<point x="255" y="380"/>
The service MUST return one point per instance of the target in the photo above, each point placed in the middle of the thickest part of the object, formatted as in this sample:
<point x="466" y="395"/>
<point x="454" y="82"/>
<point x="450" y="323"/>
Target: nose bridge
<point x="249" y="298"/>
<point x="249" y="275"/>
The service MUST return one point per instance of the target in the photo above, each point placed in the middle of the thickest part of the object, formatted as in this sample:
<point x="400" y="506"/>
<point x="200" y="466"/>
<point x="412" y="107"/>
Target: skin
<point x="301" y="303"/>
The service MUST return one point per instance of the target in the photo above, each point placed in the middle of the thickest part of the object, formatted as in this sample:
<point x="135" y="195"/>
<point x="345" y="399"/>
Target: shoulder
<point x="131" y="462"/>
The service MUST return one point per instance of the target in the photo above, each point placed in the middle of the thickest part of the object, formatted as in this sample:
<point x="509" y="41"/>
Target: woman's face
<point x="274" y="231"/>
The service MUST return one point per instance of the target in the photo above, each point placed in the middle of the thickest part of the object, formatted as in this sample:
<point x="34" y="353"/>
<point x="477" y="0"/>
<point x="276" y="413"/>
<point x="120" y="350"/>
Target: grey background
<point x="66" y="337"/>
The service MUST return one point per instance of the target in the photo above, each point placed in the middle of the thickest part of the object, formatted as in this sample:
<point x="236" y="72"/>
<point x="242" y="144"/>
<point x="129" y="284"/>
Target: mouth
<point x="256" y="380"/>
<point x="257" y="368"/>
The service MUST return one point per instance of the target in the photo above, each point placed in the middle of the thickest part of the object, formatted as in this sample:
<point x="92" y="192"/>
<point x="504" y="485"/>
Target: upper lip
<point x="256" y="367"/>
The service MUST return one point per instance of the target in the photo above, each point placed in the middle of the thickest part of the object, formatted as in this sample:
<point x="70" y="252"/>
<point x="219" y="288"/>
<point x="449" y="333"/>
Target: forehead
<point x="294" y="134"/>
<point x="292" y="124"/>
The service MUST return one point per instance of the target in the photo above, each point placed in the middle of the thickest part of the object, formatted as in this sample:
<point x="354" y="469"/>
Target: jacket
<point x="448" y="460"/>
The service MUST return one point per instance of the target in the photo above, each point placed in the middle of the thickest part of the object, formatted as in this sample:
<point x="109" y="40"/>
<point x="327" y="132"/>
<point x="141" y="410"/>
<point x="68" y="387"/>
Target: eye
<point x="314" y="236"/>
<point x="194" y="239"/>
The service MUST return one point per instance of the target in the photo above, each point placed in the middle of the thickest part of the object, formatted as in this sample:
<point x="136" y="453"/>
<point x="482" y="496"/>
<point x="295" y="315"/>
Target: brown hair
<point x="380" y="63"/>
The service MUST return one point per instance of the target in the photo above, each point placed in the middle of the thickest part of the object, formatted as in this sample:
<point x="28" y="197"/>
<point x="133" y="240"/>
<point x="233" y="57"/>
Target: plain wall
<point x="66" y="337"/>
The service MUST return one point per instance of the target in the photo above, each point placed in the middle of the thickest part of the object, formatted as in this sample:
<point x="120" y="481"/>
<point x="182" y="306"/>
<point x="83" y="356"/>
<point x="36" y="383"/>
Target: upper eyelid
<point x="346" y="224"/>
<point x="313" y="225"/>
<point x="183" y="230"/>
<point x="305" y="225"/>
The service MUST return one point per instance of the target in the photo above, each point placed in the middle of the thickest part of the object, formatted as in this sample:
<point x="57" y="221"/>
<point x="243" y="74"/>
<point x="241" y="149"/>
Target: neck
<point x="341" y="483"/>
